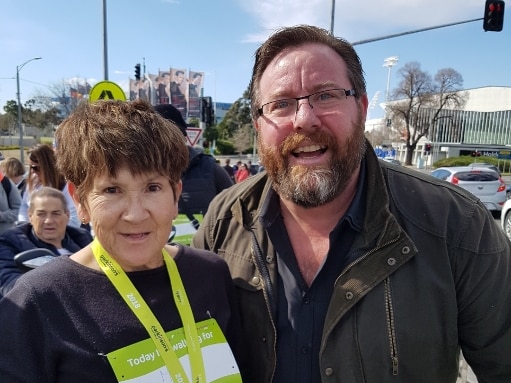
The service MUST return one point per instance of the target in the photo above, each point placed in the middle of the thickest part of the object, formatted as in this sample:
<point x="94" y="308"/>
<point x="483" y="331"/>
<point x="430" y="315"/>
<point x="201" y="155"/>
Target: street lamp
<point x="389" y="62"/>
<point x="18" y="68"/>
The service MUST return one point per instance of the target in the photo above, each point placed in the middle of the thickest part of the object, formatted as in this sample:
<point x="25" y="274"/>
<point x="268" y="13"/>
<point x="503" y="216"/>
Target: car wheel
<point x="507" y="225"/>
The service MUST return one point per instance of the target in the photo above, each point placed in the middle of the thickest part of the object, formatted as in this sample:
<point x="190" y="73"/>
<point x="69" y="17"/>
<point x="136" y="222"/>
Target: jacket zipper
<point x="389" y="309"/>
<point x="267" y="292"/>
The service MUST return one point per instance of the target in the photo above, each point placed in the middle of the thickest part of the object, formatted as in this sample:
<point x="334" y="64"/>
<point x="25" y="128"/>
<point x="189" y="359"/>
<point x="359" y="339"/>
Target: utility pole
<point x="105" y="43"/>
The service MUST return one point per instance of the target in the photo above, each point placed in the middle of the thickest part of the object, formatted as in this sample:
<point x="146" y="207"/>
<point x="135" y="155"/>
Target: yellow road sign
<point x="106" y="90"/>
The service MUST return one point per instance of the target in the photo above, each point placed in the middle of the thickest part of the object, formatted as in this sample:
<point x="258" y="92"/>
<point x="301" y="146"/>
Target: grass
<point x="182" y="223"/>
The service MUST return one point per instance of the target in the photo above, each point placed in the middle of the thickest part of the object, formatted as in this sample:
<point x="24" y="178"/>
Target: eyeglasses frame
<point x="347" y="93"/>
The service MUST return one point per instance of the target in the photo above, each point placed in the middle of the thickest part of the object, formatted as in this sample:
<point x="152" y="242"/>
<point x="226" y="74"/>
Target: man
<point x="347" y="269"/>
<point x="177" y="97"/>
<point x="164" y="88"/>
<point x="229" y="169"/>
<point x="203" y="179"/>
<point x="194" y="86"/>
<point x="47" y="228"/>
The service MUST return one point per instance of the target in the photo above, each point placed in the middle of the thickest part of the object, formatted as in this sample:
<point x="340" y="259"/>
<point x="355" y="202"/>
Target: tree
<point x="419" y="102"/>
<point x="243" y="138"/>
<point x="63" y="96"/>
<point x="235" y="118"/>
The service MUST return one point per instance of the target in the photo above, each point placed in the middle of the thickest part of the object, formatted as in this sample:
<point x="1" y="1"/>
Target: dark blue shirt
<point x="301" y="310"/>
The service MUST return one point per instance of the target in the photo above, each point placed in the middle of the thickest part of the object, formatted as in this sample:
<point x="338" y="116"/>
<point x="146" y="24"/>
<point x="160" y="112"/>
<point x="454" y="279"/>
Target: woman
<point x="15" y="171"/>
<point x="242" y="174"/>
<point x="47" y="228"/>
<point x="100" y="315"/>
<point x="43" y="172"/>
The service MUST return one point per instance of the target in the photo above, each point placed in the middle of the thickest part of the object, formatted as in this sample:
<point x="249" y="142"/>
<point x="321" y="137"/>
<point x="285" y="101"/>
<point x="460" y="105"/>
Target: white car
<point x="484" y="183"/>
<point x="505" y="218"/>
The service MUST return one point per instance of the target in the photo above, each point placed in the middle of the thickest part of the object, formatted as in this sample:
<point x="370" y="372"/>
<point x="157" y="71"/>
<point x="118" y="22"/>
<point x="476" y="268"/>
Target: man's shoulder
<point x="249" y="193"/>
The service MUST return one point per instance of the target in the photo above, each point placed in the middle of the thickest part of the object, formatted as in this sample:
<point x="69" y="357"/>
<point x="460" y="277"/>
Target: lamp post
<point x="18" y="68"/>
<point x="389" y="62"/>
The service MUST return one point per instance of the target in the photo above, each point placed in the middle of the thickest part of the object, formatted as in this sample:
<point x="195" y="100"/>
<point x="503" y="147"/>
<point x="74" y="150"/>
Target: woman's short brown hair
<point x="13" y="167"/>
<point x="107" y="135"/>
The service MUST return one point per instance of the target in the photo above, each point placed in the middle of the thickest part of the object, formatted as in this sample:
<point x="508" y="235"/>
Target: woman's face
<point x="34" y="170"/>
<point x="132" y="216"/>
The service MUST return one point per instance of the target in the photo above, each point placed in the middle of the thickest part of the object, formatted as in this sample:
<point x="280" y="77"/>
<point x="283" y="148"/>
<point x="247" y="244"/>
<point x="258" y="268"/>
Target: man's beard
<point x="312" y="186"/>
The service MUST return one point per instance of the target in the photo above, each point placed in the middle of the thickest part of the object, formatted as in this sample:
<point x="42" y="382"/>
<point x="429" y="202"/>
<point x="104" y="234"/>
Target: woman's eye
<point x="153" y="188"/>
<point x="111" y="190"/>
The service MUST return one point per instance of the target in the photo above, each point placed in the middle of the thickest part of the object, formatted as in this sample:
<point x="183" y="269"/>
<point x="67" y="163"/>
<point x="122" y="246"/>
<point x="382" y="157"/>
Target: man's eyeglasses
<point x="323" y="101"/>
<point x="35" y="168"/>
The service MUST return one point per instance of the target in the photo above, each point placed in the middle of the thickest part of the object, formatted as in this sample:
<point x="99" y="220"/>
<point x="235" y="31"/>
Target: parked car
<point x="484" y="183"/>
<point x="505" y="218"/>
<point x="485" y="165"/>
<point x="492" y="167"/>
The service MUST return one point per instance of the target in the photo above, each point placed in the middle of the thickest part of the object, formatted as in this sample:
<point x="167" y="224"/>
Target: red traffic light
<point x="493" y="15"/>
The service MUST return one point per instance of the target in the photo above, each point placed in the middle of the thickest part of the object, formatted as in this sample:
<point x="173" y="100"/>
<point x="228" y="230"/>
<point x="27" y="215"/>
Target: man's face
<point x="311" y="156"/>
<point x="49" y="219"/>
<point x="179" y="77"/>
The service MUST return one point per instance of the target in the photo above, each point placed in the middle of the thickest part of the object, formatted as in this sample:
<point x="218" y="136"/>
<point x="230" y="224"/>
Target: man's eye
<point x="111" y="190"/>
<point x="281" y="104"/>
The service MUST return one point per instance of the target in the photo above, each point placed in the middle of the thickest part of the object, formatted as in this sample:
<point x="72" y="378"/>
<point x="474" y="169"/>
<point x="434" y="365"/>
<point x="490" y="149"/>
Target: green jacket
<point x="433" y="273"/>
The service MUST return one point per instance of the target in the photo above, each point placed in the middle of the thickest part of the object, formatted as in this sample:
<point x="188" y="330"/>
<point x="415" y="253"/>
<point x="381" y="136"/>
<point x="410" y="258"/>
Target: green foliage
<point x="225" y="147"/>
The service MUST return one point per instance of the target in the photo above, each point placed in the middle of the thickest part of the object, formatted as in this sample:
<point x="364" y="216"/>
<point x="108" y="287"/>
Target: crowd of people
<point x="318" y="264"/>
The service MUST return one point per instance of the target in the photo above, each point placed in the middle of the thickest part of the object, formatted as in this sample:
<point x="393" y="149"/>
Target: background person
<point x="203" y="179"/>
<point x="243" y="173"/>
<point x="10" y="202"/>
<point x="15" y="171"/>
<point x="43" y="172"/>
<point x="229" y="169"/>
<point x="47" y="228"/>
<point x="349" y="268"/>
<point x="68" y="320"/>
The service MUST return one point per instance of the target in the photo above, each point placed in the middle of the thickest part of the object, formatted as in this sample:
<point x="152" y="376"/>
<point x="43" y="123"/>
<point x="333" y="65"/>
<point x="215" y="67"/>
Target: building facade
<point x="482" y="128"/>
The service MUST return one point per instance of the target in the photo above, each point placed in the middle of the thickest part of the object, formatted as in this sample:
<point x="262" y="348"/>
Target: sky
<point x="220" y="37"/>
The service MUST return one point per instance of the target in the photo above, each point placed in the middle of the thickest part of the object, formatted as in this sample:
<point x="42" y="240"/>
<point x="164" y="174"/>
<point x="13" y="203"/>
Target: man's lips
<point x="309" y="150"/>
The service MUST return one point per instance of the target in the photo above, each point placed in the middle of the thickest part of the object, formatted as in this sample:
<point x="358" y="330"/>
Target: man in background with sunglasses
<point x="349" y="269"/>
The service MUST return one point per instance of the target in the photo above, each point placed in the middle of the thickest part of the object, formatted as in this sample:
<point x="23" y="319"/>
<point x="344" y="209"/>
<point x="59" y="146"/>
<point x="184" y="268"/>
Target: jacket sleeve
<point x="484" y="299"/>
<point x="11" y="214"/>
<point x="9" y="272"/>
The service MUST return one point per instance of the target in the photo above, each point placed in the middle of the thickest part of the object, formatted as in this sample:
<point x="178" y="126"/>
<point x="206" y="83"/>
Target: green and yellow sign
<point x="106" y="90"/>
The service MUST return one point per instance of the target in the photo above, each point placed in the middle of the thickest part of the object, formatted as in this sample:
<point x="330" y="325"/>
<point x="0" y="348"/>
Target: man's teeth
<point x="307" y="149"/>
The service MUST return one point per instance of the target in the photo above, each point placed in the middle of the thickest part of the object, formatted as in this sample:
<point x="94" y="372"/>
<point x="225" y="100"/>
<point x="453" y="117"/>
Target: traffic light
<point x="493" y="15"/>
<point x="207" y="113"/>
<point x="137" y="72"/>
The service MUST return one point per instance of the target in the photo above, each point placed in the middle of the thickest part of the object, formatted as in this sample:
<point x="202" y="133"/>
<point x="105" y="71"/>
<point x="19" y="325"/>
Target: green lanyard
<point x="144" y="314"/>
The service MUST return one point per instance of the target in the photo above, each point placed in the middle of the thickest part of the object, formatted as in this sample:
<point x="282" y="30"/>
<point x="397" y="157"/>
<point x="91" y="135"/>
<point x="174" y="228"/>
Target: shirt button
<point x="306" y="301"/>
<point x="329" y="371"/>
<point x="391" y="261"/>
<point x="255" y="280"/>
<point x="305" y="350"/>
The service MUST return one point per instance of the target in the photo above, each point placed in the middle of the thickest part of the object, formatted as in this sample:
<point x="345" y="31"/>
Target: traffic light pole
<point x="411" y="32"/>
